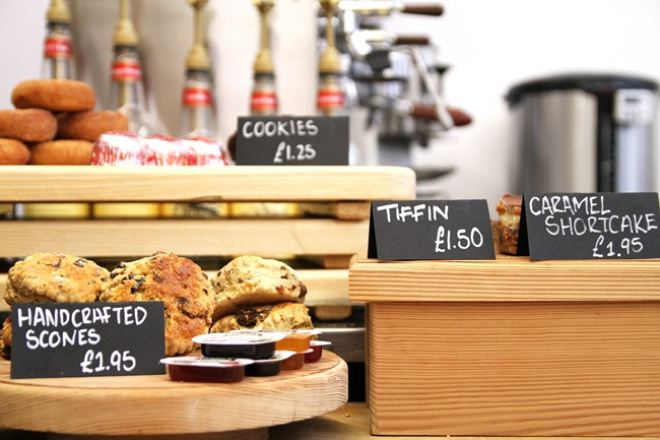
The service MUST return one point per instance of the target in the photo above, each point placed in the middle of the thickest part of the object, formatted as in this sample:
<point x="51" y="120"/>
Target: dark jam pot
<point x="196" y="369"/>
<point x="316" y="352"/>
<point x="240" y="345"/>
<point x="268" y="367"/>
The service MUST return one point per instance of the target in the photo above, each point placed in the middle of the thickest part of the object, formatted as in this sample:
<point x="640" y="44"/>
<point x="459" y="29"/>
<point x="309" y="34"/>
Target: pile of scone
<point x="249" y="292"/>
<point x="53" y="123"/>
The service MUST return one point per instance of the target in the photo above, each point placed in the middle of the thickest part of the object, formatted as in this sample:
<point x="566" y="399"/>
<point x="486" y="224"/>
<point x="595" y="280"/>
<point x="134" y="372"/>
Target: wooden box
<point x="512" y="347"/>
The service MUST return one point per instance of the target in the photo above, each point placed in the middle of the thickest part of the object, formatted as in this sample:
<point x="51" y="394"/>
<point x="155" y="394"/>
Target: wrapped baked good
<point x="508" y="209"/>
<point x="206" y="151"/>
<point x="250" y="280"/>
<point x="118" y="148"/>
<point x="282" y="316"/>
<point x="160" y="149"/>
<point x="53" y="277"/>
<point x="177" y="281"/>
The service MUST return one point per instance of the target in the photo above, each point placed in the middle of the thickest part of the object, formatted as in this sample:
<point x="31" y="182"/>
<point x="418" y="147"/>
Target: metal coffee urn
<point x="585" y="133"/>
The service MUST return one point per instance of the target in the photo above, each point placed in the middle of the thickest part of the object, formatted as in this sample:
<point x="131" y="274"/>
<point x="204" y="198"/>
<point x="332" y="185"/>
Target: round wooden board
<point x="155" y="405"/>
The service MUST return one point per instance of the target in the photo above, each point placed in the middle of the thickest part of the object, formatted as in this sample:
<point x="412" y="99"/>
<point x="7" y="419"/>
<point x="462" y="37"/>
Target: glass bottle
<point x="58" y="61"/>
<point x="127" y="96"/>
<point x="198" y="111"/>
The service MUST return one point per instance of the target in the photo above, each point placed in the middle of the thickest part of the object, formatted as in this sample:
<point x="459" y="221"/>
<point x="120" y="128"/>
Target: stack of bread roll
<point x="53" y="123"/>
<point x="258" y="293"/>
<point x="249" y="292"/>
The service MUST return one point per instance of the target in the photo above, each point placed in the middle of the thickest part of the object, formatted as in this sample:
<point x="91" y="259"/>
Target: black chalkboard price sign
<point x="288" y="140"/>
<point x="430" y="230"/>
<point x="91" y="339"/>
<point x="590" y="226"/>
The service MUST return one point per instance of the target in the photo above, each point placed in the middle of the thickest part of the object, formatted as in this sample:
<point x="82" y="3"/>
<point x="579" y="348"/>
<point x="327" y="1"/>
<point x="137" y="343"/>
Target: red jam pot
<point x="197" y="369"/>
<point x="295" y="362"/>
<point x="316" y="352"/>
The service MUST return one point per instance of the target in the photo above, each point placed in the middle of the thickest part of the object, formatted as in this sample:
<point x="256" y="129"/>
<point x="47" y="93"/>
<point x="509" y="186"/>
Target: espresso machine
<point x="392" y="83"/>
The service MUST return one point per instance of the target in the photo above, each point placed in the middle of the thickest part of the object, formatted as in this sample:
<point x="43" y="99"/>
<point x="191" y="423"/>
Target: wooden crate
<point x="344" y="193"/>
<point x="512" y="347"/>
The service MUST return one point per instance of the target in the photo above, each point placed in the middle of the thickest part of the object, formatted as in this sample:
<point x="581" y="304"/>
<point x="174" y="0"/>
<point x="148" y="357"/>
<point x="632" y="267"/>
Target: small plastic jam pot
<point x="316" y="351"/>
<point x="198" y="369"/>
<point x="295" y="362"/>
<point x="296" y="340"/>
<point x="270" y="366"/>
<point x="239" y="345"/>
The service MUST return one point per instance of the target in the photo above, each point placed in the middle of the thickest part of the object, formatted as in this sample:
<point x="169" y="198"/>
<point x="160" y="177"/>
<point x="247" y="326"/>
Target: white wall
<point x="490" y="46"/>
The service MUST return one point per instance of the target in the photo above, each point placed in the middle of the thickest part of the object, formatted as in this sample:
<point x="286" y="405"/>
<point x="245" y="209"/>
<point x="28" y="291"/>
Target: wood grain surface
<point x="185" y="237"/>
<point x="507" y="278"/>
<point x="155" y="405"/>
<point x="204" y="184"/>
<point x="515" y="368"/>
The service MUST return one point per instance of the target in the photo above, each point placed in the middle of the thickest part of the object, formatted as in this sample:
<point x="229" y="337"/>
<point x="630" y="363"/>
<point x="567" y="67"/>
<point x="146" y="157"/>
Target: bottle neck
<point x="58" y="61"/>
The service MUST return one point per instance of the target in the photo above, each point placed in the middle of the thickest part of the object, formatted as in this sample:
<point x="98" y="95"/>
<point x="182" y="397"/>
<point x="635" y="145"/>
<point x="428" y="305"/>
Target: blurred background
<point x="479" y="49"/>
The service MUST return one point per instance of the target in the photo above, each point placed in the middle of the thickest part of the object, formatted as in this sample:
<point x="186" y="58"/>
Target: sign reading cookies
<point x="590" y="226"/>
<point x="430" y="230"/>
<point x="87" y="339"/>
<point x="288" y="140"/>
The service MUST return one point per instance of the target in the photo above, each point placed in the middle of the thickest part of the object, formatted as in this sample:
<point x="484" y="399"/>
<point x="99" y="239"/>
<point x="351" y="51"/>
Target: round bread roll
<point x="53" y="277"/>
<point x="62" y="152"/>
<point x="282" y="316"/>
<point x="250" y="280"/>
<point x="56" y="95"/>
<point x="13" y="152"/>
<point x="89" y="125"/>
<point x="28" y="125"/>
<point x="179" y="283"/>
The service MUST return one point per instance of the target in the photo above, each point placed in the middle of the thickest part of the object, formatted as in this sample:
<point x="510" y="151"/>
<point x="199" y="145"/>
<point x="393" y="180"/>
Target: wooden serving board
<point x="156" y="406"/>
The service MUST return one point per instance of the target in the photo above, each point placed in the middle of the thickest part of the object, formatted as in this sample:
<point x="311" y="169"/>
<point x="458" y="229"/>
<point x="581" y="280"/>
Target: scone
<point x="250" y="280"/>
<point x="53" y="277"/>
<point x="283" y="316"/>
<point x="5" y="339"/>
<point x="509" y="208"/>
<point x="177" y="281"/>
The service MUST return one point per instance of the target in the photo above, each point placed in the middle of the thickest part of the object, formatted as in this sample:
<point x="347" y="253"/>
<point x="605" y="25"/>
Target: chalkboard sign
<point x="288" y="140"/>
<point x="430" y="230"/>
<point x="589" y="226"/>
<point x="91" y="339"/>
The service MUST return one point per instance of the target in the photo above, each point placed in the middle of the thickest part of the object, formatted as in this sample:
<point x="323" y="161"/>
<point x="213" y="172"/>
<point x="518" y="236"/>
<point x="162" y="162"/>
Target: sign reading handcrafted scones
<point x="288" y="140"/>
<point x="590" y="226"/>
<point x="430" y="230"/>
<point x="91" y="339"/>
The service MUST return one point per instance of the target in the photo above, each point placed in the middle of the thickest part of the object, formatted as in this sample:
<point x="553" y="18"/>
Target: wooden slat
<point x="240" y="183"/>
<point x="504" y="279"/>
<point x="515" y="369"/>
<point x="110" y="238"/>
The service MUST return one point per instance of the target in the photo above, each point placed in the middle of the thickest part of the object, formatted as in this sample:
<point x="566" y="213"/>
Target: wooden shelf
<point x="506" y="278"/>
<point x="21" y="184"/>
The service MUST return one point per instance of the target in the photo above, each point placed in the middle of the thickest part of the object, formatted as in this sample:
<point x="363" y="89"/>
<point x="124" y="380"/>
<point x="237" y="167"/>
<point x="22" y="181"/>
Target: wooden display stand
<point x="342" y="193"/>
<point x="130" y="407"/>
<point x="512" y="347"/>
